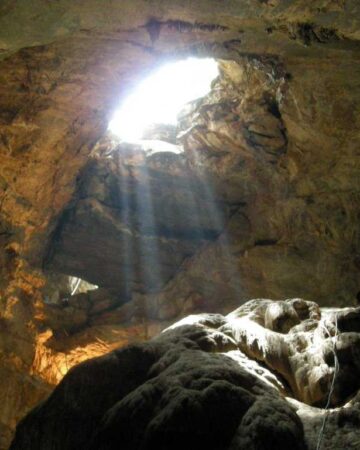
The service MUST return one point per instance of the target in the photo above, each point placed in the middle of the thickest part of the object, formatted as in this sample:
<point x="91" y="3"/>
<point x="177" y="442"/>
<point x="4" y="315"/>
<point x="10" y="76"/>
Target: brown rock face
<point x="134" y="224"/>
<point x="139" y="216"/>
<point x="263" y="203"/>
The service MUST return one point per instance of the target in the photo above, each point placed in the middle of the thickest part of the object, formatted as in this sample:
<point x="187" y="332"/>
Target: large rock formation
<point x="134" y="224"/>
<point x="212" y="382"/>
<point x="270" y="160"/>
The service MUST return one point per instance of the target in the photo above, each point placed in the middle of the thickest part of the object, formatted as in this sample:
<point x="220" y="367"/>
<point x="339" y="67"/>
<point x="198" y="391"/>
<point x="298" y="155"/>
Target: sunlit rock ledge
<point x="262" y="377"/>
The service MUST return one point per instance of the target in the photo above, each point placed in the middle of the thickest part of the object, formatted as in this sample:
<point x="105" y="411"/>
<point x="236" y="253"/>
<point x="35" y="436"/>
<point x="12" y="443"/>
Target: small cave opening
<point x="160" y="97"/>
<point x="59" y="288"/>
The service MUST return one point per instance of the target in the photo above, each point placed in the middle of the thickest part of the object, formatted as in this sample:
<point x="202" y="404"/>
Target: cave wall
<point x="241" y="213"/>
<point x="301" y="234"/>
<point x="61" y="65"/>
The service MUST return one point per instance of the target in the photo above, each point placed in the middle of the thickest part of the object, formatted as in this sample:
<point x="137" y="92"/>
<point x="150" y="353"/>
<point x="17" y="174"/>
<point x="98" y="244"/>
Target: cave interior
<point x="187" y="278"/>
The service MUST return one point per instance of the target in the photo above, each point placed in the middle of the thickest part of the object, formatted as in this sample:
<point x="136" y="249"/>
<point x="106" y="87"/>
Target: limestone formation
<point x="210" y="381"/>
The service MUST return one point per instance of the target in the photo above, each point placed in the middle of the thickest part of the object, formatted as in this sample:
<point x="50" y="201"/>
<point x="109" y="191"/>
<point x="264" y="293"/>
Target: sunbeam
<point x="158" y="100"/>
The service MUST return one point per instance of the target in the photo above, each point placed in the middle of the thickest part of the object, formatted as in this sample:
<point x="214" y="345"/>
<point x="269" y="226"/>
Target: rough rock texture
<point x="194" y="386"/>
<point x="170" y="393"/>
<point x="300" y="347"/>
<point x="140" y="215"/>
<point x="342" y="424"/>
<point x="135" y="223"/>
<point x="249" y="140"/>
<point x="280" y="152"/>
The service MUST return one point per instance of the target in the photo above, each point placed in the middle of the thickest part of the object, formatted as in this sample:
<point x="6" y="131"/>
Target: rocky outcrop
<point x="209" y="381"/>
<point x="248" y="139"/>
<point x="137" y="219"/>
<point x="302" y="348"/>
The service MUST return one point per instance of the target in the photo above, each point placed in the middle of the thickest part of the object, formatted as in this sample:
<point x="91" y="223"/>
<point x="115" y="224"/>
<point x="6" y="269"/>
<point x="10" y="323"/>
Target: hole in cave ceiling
<point x="130" y="231"/>
<point x="155" y="104"/>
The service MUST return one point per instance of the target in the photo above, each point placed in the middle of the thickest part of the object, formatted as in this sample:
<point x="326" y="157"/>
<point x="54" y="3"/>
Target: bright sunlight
<point x="161" y="96"/>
